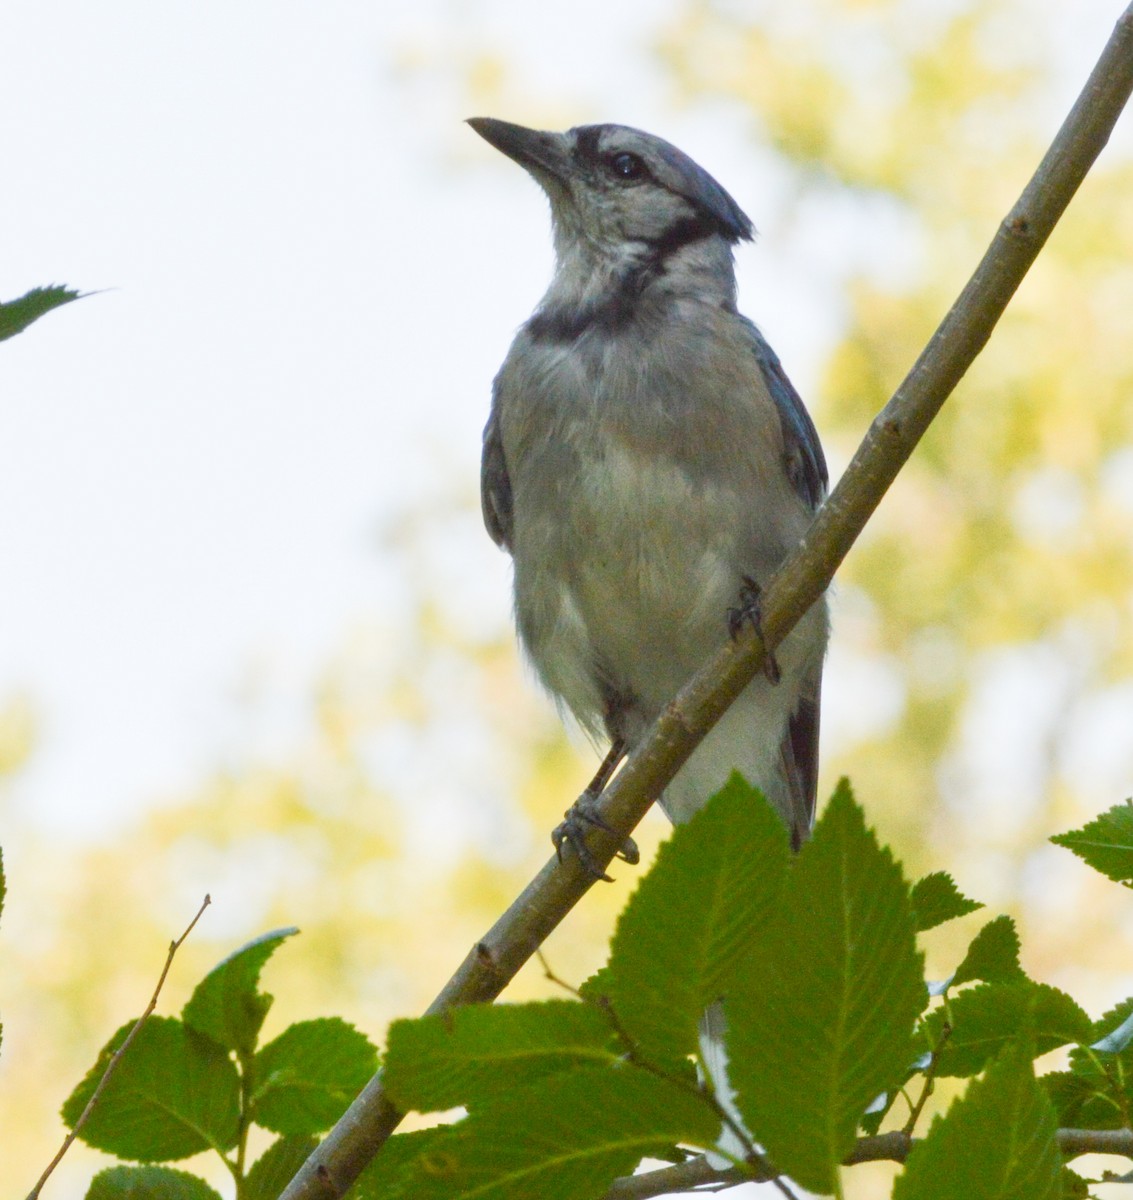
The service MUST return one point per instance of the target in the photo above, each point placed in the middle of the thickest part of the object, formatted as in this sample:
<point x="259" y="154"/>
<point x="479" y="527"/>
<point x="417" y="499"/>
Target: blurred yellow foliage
<point x="17" y="733"/>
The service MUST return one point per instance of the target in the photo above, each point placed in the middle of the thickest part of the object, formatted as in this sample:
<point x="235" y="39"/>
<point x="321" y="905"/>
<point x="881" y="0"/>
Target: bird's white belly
<point x="647" y="599"/>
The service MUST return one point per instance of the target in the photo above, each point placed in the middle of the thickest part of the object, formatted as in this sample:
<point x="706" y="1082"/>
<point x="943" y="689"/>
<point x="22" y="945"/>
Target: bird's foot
<point x="582" y="816"/>
<point x="749" y="612"/>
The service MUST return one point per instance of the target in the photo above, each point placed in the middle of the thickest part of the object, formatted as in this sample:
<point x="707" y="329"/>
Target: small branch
<point x="915" y="1110"/>
<point x="1075" y="1142"/>
<point x="116" y="1057"/>
<point x="551" y="977"/>
<point x="756" y="1161"/>
<point x="681" y="1177"/>
<point x="515" y="937"/>
<point x="696" y="1173"/>
<point x="633" y="1054"/>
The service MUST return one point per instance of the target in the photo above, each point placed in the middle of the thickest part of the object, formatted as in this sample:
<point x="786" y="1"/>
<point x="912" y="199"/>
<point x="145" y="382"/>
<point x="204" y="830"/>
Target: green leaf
<point x="1106" y="843"/>
<point x="1083" y="1101"/>
<point x="566" y="1137"/>
<point x="17" y="315"/>
<point x="390" y="1174"/>
<point x="470" y="1055"/>
<point x="148" y="1183"/>
<point x="226" y="1005"/>
<point x="985" y="1018"/>
<point x="993" y="955"/>
<point x="824" y="1023"/>
<point x="174" y="1093"/>
<point x="871" y="1121"/>
<point x="689" y="924"/>
<point x="274" y="1169"/>
<point x="997" y="1142"/>
<point x="305" y="1079"/>
<point x="1097" y="1091"/>
<point x="936" y="899"/>
<point x="880" y="1108"/>
<point x="1074" y="1187"/>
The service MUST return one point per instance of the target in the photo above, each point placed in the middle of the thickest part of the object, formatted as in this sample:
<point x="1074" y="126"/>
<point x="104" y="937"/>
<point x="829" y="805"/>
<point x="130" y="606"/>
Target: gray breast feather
<point x="649" y="482"/>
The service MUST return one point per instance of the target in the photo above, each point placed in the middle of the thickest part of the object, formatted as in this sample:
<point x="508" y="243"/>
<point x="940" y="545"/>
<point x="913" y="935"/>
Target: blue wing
<point x="806" y="466"/>
<point x="495" y="483"/>
<point x="805" y="460"/>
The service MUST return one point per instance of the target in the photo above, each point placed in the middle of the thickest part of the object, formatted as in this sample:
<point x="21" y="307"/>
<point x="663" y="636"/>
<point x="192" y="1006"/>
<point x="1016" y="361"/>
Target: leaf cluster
<point x="764" y="1013"/>
<point x="202" y="1080"/>
<point x="762" y="1016"/>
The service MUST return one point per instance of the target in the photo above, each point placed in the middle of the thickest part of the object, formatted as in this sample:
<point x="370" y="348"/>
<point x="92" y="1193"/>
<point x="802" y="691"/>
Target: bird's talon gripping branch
<point x="581" y="817"/>
<point x="748" y="612"/>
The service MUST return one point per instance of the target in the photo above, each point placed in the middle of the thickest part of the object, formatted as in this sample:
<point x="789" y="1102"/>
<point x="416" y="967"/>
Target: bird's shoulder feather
<point x="495" y="483"/>
<point x="806" y="462"/>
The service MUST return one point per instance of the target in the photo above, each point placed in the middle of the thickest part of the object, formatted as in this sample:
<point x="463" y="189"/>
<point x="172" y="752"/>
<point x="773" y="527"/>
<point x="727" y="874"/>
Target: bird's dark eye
<point x="627" y="166"/>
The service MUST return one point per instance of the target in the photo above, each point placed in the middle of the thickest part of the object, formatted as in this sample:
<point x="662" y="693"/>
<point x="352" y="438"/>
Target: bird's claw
<point x="749" y="612"/>
<point x="581" y="816"/>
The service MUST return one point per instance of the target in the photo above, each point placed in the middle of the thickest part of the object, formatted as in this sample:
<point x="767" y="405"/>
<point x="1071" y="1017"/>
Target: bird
<point x="648" y="466"/>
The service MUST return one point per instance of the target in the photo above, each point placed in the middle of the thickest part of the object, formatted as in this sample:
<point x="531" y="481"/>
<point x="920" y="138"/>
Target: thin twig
<point x="681" y="1177"/>
<point x="631" y="1049"/>
<point x="698" y="1173"/>
<point x="632" y="1052"/>
<point x="494" y="961"/>
<point x="551" y="977"/>
<point x="758" y="1162"/>
<point x="116" y="1057"/>
<point x="915" y="1110"/>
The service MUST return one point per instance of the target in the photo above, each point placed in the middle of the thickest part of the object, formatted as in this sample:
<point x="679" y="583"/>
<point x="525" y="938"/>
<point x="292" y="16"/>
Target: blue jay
<point x="647" y="463"/>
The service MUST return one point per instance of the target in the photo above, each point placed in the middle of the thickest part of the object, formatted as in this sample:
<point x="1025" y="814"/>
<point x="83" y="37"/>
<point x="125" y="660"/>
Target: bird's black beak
<point x="544" y="155"/>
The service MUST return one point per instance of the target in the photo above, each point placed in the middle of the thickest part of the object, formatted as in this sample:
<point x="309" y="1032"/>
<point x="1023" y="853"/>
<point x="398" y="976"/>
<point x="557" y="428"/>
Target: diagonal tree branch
<point x="495" y="960"/>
